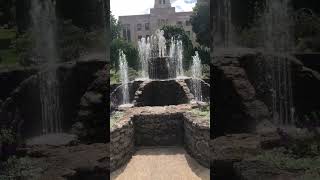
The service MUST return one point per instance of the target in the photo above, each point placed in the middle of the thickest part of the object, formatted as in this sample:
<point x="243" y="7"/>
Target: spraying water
<point x="43" y="17"/>
<point x="278" y="39"/>
<point x="144" y="54"/>
<point x="196" y="76"/>
<point x="124" y="77"/>
<point x="176" y="57"/>
<point x="223" y="24"/>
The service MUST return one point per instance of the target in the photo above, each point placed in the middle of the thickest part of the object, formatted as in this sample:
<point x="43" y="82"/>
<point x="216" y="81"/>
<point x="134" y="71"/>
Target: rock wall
<point x="121" y="144"/>
<point x="116" y="93"/>
<point x="233" y="92"/>
<point x="158" y="130"/>
<point x="160" y="93"/>
<point x="169" y="129"/>
<point x="11" y="78"/>
<point x="74" y="78"/>
<point x="197" y="139"/>
<point x="91" y="118"/>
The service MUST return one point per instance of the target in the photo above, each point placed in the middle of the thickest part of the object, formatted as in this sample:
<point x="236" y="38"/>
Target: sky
<point x="134" y="7"/>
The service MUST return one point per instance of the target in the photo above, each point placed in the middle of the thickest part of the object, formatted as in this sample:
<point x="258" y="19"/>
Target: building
<point x="137" y="26"/>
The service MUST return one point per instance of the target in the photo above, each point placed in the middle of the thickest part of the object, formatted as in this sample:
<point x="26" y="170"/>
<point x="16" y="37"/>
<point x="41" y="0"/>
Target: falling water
<point x="124" y="77"/>
<point x="43" y="18"/>
<point x="176" y="57"/>
<point x="144" y="54"/>
<point x="196" y="76"/>
<point x="278" y="40"/>
<point x="223" y="24"/>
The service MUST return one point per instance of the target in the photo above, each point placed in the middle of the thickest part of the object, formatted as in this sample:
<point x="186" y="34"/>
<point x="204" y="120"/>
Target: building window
<point x="179" y="23"/>
<point x="139" y="37"/>
<point x="147" y="26"/>
<point x="188" y="23"/>
<point x="164" y="1"/>
<point x="160" y="1"/>
<point x="167" y="21"/>
<point x="162" y="21"/>
<point x="139" y="27"/>
<point x="126" y="32"/>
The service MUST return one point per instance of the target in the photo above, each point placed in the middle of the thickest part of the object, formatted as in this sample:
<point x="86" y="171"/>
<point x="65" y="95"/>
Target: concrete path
<point x="171" y="163"/>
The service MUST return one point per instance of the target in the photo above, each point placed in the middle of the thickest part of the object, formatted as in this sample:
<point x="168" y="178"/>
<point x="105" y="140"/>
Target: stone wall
<point x="234" y="92"/>
<point x="160" y="93"/>
<point x="197" y="138"/>
<point x="158" y="130"/>
<point x="168" y="129"/>
<point x="121" y="144"/>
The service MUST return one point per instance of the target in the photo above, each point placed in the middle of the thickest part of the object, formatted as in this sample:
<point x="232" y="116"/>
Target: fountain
<point x="162" y="71"/>
<point x="278" y="40"/>
<point x="144" y="54"/>
<point x="124" y="78"/>
<point x="43" y="29"/>
<point x="196" y="76"/>
<point x="223" y="25"/>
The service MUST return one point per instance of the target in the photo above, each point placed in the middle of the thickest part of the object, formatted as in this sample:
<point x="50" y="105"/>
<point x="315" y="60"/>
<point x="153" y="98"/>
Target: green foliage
<point x="282" y="160"/>
<point x="114" y="27"/>
<point x="200" y="21"/>
<point x="307" y="30"/>
<point x="7" y="136"/>
<point x="71" y="41"/>
<point x="7" y="34"/>
<point x="8" y="57"/>
<point x="179" y="34"/>
<point x="203" y="112"/>
<point x="204" y="54"/>
<point x="23" y="45"/>
<point x="128" y="49"/>
<point x="115" y="117"/>
<point x="115" y="76"/>
<point x="19" y="168"/>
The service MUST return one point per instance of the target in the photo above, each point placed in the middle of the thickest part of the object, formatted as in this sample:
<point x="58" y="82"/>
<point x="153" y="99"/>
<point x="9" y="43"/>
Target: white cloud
<point x="134" y="7"/>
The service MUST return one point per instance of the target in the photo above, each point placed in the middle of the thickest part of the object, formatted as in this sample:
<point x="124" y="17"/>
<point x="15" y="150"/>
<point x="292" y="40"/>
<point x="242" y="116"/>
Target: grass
<point x="115" y="117"/>
<point x="8" y="57"/>
<point x="7" y="34"/>
<point x="286" y="159"/>
<point x="203" y="112"/>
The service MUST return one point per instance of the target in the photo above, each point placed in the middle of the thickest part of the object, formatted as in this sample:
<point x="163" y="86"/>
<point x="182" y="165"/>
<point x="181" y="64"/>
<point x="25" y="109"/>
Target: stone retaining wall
<point x="121" y="144"/>
<point x="159" y="130"/>
<point x="197" y="139"/>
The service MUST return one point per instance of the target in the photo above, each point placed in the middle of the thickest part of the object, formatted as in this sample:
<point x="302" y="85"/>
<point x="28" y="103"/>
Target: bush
<point x="23" y="168"/>
<point x="128" y="49"/>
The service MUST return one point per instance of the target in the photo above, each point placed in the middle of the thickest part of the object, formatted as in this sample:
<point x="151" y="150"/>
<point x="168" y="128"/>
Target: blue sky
<point x="134" y="7"/>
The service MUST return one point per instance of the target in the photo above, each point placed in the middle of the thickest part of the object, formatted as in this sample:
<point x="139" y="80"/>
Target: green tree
<point x="129" y="50"/>
<point x="118" y="43"/>
<point x="114" y="27"/>
<point x="200" y="21"/>
<point x="179" y="34"/>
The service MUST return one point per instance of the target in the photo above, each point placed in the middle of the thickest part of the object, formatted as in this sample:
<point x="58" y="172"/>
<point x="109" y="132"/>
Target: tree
<point x="128" y="49"/>
<point x="114" y="27"/>
<point x="179" y="34"/>
<point x="200" y="21"/>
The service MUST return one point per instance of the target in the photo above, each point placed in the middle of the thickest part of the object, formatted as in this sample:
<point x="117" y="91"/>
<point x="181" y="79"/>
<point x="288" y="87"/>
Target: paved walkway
<point x="161" y="164"/>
